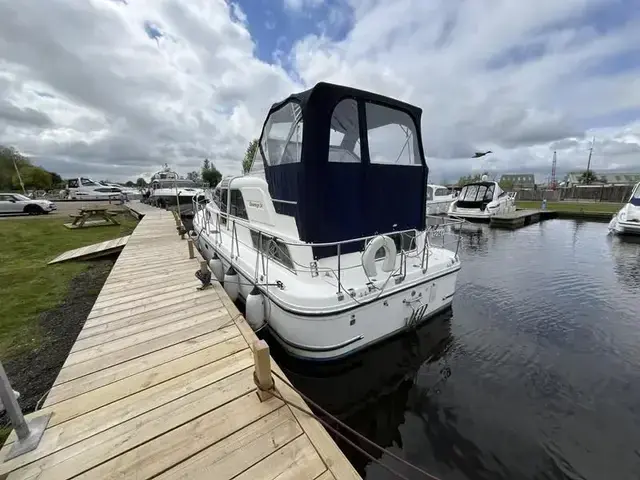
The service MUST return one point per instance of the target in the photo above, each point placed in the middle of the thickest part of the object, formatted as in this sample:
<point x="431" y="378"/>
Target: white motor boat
<point x="130" y="192"/>
<point x="481" y="200"/>
<point x="326" y="240"/>
<point x="83" y="188"/>
<point x="627" y="220"/>
<point x="439" y="198"/>
<point x="167" y="189"/>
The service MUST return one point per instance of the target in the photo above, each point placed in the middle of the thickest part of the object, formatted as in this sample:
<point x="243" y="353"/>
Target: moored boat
<point x="481" y="200"/>
<point x="439" y="198"/>
<point x="326" y="239"/>
<point x="627" y="220"/>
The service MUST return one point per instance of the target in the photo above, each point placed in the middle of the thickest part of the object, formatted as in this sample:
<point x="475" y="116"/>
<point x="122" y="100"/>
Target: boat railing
<point x="440" y="233"/>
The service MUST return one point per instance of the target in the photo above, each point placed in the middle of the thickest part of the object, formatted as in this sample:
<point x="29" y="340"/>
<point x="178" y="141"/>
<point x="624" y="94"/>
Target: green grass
<point x="29" y="285"/>
<point x="574" y="207"/>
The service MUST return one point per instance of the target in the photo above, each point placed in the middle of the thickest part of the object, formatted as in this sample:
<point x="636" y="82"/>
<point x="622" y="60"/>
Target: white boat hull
<point x="624" y="227"/>
<point x="338" y="333"/>
<point x="438" y="208"/>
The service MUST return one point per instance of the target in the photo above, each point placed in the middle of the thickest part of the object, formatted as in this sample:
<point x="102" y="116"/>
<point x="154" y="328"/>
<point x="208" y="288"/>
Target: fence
<point x="582" y="193"/>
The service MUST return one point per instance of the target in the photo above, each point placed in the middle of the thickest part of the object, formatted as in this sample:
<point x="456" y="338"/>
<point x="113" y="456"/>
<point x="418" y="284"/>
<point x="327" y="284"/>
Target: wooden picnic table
<point x="98" y="212"/>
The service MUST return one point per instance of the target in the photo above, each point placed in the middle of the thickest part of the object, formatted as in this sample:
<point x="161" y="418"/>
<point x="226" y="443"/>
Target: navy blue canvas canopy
<point x="346" y="163"/>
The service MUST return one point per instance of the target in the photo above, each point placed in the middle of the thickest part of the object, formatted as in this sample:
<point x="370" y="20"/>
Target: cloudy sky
<point x="115" y="88"/>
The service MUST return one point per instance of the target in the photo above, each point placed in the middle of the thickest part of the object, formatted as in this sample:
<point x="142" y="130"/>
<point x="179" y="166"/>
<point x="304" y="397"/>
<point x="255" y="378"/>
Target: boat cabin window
<point x="88" y="183"/>
<point x="220" y="199"/>
<point x="442" y="192"/>
<point x="635" y="196"/>
<point x="272" y="247"/>
<point x="392" y="136"/>
<point x="429" y="193"/>
<point x="344" y="138"/>
<point x="236" y="205"/>
<point x="476" y="193"/>
<point x="282" y="137"/>
<point x="73" y="183"/>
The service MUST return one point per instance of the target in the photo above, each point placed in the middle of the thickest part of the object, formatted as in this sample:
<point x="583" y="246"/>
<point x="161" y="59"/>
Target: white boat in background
<point x="439" y="198"/>
<point x="130" y="192"/>
<point x="308" y="240"/>
<point x="481" y="200"/>
<point x="627" y="220"/>
<point x="167" y="189"/>
<point x="83" y="188"/>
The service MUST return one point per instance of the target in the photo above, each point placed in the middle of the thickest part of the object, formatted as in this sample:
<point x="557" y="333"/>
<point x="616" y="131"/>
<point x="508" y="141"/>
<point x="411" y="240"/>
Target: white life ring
<point x="369" y="255"/>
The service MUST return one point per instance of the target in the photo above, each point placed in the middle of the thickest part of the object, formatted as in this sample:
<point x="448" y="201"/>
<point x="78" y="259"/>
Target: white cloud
<point x="85" y="89"/>
<point x="299" y="5"/>
<point x="508" y="76"/>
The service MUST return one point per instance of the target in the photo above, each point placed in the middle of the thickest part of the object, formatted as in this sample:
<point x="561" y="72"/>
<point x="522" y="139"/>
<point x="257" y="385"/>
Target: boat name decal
<point x="254" y="204"/>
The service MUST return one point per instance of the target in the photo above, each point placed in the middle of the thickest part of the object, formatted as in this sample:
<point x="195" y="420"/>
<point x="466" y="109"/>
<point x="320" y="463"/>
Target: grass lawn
<point x="29" y="285"/>
<point x="574" y="207"/>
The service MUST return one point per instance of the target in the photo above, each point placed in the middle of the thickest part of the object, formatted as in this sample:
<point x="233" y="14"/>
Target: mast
<point x="590" y="153"/>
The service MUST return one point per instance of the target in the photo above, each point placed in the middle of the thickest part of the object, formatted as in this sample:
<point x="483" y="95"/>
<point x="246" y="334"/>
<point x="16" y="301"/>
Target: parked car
<point x="17" y="203"/>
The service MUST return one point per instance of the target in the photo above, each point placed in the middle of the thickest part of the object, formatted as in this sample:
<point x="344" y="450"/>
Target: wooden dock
<point x="93" y="251"/>
<point x="520" y="218"/>
<point x="160" y="384"/>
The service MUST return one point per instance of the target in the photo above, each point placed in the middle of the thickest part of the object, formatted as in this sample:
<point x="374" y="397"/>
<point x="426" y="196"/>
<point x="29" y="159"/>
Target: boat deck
<point x="159" y="384"/>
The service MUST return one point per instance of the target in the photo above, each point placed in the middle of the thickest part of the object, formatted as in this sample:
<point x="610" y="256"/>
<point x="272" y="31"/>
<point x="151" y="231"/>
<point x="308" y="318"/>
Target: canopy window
<point x="282" y="137"/>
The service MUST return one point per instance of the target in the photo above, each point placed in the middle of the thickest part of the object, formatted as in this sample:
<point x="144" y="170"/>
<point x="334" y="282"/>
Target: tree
<point x="506" y="185"/>
<point x="210" y="173"/>
<point x="141" y="182"/>
<point x="249" y="154"/>
<point x="471" y="178"/>
<point x="193" y="176"/>
<point x="15" y="167"/>
<point x="588" y="177"/>
<point x="129" y="184"/>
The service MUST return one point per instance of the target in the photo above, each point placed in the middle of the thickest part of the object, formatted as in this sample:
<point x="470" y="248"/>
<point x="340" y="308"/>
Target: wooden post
<point x="262" y="375"/>
<point x="203" y="267"/>
<point x="190" y="246"/>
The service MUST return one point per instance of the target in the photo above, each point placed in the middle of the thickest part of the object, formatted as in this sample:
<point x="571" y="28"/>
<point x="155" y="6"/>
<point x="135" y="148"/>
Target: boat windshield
<point x="177" y="183"/>
<point x="476" y="193"/>
<point x="635" y="196"/>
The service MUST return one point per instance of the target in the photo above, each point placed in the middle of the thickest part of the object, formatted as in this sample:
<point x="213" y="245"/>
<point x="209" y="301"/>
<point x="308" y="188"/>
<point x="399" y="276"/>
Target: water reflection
<point x="535" y="376"/>
<point x="625" y="251"/>
<point x="372" y="390"/>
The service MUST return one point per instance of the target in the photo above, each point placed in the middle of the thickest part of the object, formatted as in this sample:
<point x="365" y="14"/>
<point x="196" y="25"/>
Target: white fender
<point x="369" y="255"/>
<point x="254" y="309"/>
<point x="216" y="267"/>
<point x="231" y="283"/>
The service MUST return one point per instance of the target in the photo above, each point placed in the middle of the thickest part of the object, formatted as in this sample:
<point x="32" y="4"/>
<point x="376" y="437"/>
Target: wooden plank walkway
<point x="93" y="251"/>
<point x="159" y="384"/>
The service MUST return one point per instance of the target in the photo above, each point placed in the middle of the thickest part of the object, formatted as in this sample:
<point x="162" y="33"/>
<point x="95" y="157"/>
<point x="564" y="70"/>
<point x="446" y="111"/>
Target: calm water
<point x="535" y="373"/>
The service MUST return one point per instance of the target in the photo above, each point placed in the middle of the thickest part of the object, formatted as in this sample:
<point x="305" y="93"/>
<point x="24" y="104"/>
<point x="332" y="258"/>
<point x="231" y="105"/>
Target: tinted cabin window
<point x="344" y="139"/>
<point x="272" y="247"/>
<point x="282" y="138"/>
<point x="73" y="183"/>
<point x="392" y="136"/>
<point x="236" y="205"/>
<point x="441" y="192"/>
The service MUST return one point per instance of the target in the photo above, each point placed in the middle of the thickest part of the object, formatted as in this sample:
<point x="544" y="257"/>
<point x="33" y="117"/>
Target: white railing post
<point x="28" y="432"/>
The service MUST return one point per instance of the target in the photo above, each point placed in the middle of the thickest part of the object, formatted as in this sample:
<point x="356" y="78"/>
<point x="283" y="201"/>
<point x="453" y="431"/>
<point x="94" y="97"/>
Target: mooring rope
<point x="349" y="429"/>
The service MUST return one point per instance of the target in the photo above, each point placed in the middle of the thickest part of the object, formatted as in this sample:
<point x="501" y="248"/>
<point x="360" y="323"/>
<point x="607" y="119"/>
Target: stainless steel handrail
<point x="442" y="223"/>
